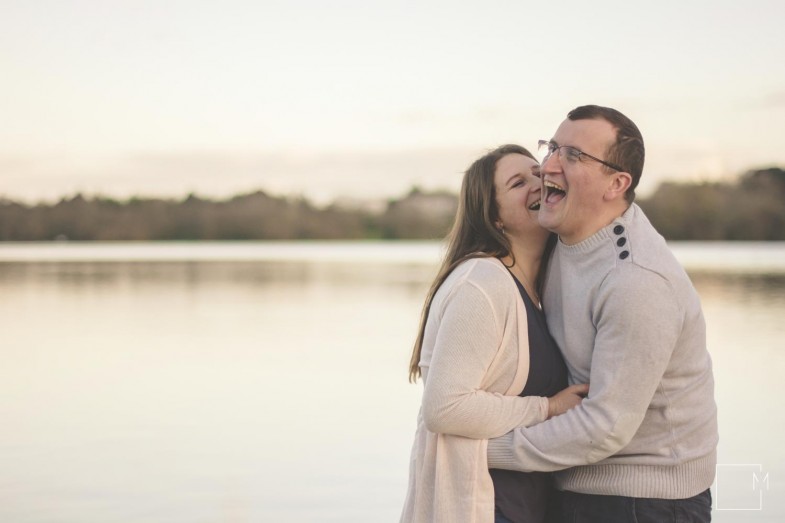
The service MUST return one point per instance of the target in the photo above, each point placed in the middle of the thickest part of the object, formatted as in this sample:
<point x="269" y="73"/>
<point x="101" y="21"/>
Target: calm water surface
<point x="267" y="381"/>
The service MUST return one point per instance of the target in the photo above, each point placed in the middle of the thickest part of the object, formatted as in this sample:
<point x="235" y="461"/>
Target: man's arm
<point x="638" y="322"/>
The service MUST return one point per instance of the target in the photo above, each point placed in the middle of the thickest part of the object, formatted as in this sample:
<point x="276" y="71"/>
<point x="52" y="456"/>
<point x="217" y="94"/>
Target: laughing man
<point x="642" y="446"/>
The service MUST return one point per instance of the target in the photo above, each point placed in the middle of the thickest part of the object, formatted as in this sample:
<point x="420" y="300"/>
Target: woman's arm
<point x="468" y="339"/>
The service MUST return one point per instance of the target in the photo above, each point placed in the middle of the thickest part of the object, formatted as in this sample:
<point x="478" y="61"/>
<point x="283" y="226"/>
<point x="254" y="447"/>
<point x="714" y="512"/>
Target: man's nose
<point x="551" y="164"/>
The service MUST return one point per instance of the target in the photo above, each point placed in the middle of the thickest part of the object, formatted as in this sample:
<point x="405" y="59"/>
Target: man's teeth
<point x="553" y="191"/>
<point x="552" y="185"/>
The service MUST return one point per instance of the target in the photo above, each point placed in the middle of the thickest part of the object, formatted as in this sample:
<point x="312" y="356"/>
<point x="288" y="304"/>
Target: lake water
<point x="247" y="382"/>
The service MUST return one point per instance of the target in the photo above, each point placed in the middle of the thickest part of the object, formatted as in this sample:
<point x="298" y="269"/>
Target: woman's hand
<point x="566" y="399"/>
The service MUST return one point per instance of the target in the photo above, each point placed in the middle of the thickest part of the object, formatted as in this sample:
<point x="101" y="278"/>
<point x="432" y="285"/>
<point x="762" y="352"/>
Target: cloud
<point x="772" y="100"/>
<point x="776" y="99"/>
<point x="321" y="176"/>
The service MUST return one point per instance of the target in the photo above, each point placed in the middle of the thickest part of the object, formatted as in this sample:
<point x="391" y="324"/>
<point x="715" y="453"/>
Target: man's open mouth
<point x="535" y="206"/>
<point x="553" y="192"/>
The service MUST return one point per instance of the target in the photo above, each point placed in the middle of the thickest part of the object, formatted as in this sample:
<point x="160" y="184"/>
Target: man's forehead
<point x="593" y="132"/>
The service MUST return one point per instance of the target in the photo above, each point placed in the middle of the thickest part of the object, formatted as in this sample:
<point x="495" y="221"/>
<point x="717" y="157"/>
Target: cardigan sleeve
<point x="467" y="342"/>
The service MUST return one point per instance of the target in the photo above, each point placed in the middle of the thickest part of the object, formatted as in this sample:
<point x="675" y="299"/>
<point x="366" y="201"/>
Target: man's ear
<point x="619" y="183"/>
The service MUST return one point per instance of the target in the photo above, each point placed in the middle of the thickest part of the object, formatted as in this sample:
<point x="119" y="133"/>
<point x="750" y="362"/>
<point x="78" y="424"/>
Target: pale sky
<point x="363" y="99"/>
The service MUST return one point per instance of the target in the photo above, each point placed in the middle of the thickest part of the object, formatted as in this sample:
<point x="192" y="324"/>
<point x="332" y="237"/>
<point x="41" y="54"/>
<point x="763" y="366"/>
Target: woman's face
<point x="518" y="190"/>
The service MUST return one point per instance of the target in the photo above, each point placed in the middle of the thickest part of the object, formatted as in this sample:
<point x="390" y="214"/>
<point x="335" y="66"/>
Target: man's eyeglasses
<point x="571" y="154"/>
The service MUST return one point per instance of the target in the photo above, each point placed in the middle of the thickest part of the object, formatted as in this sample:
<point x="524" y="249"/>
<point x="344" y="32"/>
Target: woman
<point x="482" y="376"/>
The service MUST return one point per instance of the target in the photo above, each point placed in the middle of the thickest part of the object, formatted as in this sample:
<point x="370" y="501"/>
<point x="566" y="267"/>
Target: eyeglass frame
<point x="552" y="148"/>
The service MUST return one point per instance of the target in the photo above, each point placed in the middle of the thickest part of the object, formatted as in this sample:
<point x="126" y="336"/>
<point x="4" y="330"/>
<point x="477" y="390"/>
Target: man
<point x="642" y="445"/>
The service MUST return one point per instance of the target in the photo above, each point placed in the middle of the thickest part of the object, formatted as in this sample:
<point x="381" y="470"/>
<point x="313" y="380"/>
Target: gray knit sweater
<point x="628" y="321"/>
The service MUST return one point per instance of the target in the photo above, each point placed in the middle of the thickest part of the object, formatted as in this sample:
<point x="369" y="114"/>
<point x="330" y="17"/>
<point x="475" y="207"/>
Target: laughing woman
<point x="484" y="353"/>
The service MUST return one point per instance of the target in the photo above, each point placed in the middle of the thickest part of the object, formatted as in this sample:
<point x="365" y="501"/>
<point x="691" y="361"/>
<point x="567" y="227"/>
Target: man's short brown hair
<point x="627" y="151"/>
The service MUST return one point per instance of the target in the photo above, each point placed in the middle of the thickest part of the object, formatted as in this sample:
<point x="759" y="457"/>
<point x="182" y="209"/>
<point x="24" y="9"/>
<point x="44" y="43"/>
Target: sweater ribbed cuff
<point x="500" y="455"/>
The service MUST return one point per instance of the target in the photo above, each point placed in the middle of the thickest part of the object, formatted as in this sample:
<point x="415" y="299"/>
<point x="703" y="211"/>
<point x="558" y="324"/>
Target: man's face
<point x="573" y="205"/>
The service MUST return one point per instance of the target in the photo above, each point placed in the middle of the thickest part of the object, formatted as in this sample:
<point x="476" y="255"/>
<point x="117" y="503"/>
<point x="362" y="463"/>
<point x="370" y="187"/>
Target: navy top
<point x="522" y="497"/>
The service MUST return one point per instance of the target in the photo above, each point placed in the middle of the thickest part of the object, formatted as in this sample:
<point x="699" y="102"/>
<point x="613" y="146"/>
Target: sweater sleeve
<point x="638" y="323"/>
<point x="467" y="342"/>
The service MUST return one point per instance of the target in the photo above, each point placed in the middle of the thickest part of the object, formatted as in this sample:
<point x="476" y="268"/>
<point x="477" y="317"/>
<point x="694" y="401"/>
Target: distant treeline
<point x="255" y="216"/>
<point x="753" y="208"/>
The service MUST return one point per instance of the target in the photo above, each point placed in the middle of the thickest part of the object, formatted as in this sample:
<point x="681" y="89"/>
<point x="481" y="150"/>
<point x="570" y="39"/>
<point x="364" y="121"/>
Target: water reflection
<point x="270" y="390"/>
<point x="768" y="289"/>
<point x="258" y="273"/>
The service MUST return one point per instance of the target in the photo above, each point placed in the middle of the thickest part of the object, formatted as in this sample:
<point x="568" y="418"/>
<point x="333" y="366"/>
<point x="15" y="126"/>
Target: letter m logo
<point x="760" y="481"/>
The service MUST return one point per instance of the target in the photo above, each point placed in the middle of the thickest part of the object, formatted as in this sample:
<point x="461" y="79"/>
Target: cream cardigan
<point x="474" y="361"/>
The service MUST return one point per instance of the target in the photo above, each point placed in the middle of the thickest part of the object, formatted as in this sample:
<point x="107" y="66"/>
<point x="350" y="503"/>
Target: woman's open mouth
<point x="535" y="206"/>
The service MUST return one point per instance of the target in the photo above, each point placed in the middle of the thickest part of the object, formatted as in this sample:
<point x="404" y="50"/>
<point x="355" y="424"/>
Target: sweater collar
<point x="603" y="235"/>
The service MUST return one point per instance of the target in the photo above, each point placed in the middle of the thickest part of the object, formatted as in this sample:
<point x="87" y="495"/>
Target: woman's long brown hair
<point x="474" y="233"/>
